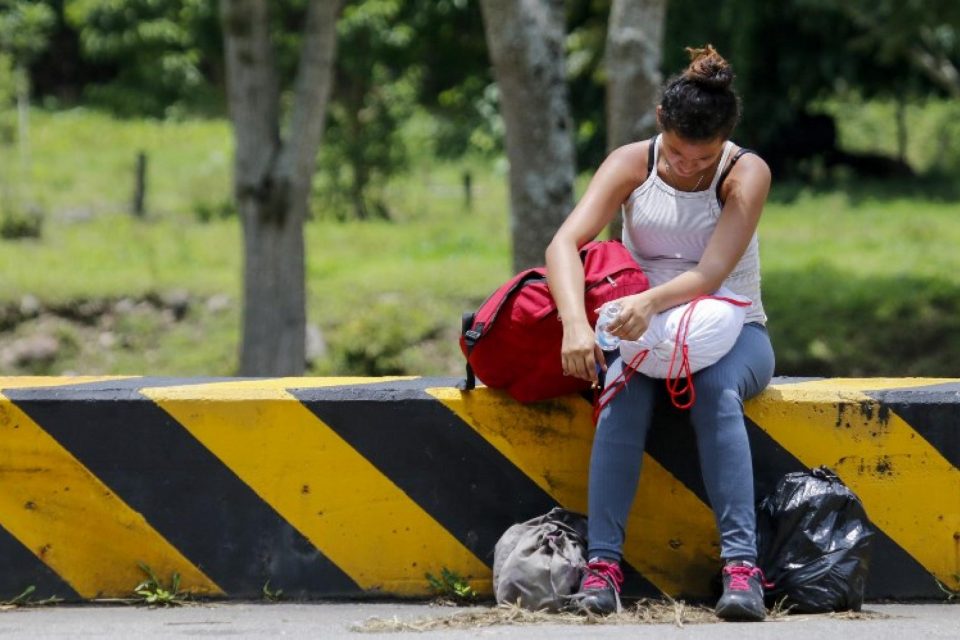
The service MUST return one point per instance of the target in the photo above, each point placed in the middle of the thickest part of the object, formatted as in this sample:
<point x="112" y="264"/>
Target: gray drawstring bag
<point x="538" y="563"/>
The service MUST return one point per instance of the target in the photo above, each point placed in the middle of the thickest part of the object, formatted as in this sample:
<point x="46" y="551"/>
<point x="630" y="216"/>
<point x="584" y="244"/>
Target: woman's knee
<point x="715" y="395"/>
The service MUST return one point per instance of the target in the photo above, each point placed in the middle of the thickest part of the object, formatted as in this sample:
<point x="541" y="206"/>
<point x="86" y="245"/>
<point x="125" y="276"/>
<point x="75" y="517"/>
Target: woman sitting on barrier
<point x="691" y="203"/>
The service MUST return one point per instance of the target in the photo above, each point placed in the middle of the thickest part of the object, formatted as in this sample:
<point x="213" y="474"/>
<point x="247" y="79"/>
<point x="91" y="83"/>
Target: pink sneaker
<point x="600" y="587"/>
<point x="742" y="598"/>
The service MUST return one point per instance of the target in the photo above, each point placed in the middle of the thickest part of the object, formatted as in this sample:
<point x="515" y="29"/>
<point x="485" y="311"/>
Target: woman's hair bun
<point x="708" y="68"/>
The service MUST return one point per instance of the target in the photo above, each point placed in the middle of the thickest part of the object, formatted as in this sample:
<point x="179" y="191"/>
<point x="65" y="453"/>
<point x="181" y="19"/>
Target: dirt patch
<point x="40" y="338"/>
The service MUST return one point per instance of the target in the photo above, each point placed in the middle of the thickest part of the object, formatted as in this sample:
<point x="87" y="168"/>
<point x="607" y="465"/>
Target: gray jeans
<point x="725" y="462"/>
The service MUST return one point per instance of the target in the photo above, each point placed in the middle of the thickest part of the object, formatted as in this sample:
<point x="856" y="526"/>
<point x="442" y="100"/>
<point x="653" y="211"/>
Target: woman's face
<point x="688" y="159"/>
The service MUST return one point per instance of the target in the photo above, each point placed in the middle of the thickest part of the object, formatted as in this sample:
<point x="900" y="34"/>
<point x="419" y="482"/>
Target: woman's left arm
<point x="744" y="194"/>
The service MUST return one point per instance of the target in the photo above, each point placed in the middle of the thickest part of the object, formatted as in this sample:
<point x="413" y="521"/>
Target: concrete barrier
<point x="359" y="487"/>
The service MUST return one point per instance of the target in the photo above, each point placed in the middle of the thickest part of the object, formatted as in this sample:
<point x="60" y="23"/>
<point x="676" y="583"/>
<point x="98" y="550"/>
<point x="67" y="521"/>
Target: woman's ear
<point x="659" y="111"/>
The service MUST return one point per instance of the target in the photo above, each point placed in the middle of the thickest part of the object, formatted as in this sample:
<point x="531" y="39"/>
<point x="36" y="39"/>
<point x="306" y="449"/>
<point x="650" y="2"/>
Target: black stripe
<point x="446" y="467"/>
<point x="183" y="490"/>
<point x="672" y="442"/>
<point x="22" y="569"/>
<point x="933" y="412"/>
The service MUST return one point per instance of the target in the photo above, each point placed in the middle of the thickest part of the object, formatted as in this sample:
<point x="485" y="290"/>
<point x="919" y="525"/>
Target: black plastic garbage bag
<point x="814" y="542"/>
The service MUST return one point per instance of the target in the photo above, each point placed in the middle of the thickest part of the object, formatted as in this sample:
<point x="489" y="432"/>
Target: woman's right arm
<point x="623" y="170"/>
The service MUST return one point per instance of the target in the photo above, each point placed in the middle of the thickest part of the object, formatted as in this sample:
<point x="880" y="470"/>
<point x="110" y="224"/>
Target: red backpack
<point x="513" y="341"/>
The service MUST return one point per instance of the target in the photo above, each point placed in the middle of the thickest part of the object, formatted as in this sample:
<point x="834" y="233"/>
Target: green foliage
<point x="164" y="51"/>
<point x="8" y="89"/>
<point x="829" y="323"/>
<point x="901" y="38"/>
<point x="374" y="93"/>
<point x="24" y="599"/>
<point x="457" y="85"/>
<point x="451" y="586"/>
<point x="153" y="592"/>
<point x="374" y="337"/>
<point x="208" y="210"/>
<point x="20" y="599"/>
<point x="932" y="128"/>
<point x="586" y="41"/>
<point x="862" y="45"/>
<point x="271" y="595"/>
<point x="18" y="223"/>
<point x="25" y="27"/>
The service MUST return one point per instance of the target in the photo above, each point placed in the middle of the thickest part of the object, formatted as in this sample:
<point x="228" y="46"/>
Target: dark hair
<point x="699" y="104"/>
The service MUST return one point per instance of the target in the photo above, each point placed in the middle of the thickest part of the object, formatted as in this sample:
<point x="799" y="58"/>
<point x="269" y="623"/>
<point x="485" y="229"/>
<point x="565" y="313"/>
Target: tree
<point x="924" y="34"/>
<point x="161" y="51"/>
<point x="375" y="92"/>
<point x="272" y="174"/>
<point x="24" y="33"/>
<point x="632" y="58"/>
<point x="633" y="55"/>
<point x="526" y="43"/>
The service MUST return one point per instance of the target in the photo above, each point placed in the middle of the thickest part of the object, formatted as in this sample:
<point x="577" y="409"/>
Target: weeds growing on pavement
<point x="271" y="595"/>
<point x="24" y="600"/>
<point x="951" y="593"/>
<point x="451" y="587"/>
<point x="152" y="592"/>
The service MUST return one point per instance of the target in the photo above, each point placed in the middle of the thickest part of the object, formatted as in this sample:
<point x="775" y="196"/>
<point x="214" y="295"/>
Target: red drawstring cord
<point x="677" y="385"/>
<point x="601" y="398"/>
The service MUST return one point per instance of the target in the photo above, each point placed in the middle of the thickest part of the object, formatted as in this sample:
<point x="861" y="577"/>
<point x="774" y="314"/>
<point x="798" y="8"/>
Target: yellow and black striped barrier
<point x="348" y="487"/>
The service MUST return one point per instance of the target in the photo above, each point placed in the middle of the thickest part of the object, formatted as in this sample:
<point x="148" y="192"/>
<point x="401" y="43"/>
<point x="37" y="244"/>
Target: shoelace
<point x="603" y="574"/>
<point x="740" y="577"/>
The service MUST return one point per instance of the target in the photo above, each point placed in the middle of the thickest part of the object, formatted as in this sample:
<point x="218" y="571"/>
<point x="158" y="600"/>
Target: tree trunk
<point x="526" y="43"/>
<point x="272" y="177"/>
<point x="632" y="59"/>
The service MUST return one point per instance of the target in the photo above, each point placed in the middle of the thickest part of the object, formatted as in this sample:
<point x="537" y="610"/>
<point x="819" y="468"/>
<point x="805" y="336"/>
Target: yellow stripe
<point x="671" y="534"/>
<point x="30" y="382"/>
<point x="337" y="499"/>
<point x="835" y="386"/>
<point x="70" y="520"/>
<point x="908" y="488"/>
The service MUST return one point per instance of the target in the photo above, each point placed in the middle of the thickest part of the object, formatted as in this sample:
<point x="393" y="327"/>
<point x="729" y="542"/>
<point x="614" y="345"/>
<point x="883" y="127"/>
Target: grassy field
<point x="860" y="279"/>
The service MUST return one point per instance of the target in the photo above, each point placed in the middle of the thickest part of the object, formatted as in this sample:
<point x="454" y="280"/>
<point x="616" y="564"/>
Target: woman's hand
<point x="580" y="353"/>
<point x="634" y="318"/>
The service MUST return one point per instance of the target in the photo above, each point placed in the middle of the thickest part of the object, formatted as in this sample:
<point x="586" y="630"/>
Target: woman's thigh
<point x="747" y="368"/>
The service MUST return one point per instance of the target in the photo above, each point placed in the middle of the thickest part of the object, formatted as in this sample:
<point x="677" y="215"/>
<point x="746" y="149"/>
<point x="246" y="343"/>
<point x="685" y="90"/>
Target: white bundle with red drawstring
<point x="679" y="342"/>
<point x="689" y="337"/>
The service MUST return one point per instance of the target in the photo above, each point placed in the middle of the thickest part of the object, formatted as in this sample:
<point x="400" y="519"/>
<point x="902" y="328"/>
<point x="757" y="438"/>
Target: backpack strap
<point x="466" y="326"/>
<point x="472" y="331"/>
<point x="650" y="154"/>
<point x="723" y="176"/>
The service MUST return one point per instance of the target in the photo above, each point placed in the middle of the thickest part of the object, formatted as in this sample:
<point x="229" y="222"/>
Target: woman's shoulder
<point x="748" y="160"/>
<point x="745" y="169"/>
<point x="631" y="160"/>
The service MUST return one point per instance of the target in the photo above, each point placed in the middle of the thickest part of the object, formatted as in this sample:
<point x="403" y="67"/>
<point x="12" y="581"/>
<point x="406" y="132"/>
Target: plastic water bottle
<point x="605" y="339"/>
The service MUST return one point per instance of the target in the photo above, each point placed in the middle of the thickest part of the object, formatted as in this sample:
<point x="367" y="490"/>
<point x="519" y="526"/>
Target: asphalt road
<point x="337" y="621"/>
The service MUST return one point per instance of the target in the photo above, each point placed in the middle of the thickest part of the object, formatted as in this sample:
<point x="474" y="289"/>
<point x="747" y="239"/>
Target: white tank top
<point x="667" y="231"/>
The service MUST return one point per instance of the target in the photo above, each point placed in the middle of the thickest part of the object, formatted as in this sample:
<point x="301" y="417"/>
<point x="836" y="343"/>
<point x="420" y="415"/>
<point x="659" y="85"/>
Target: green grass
<point x="82" y="162"/>
<point x="862" y="286"/>
<point x="864" y="236"/>
<point x="860" y="278"/>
